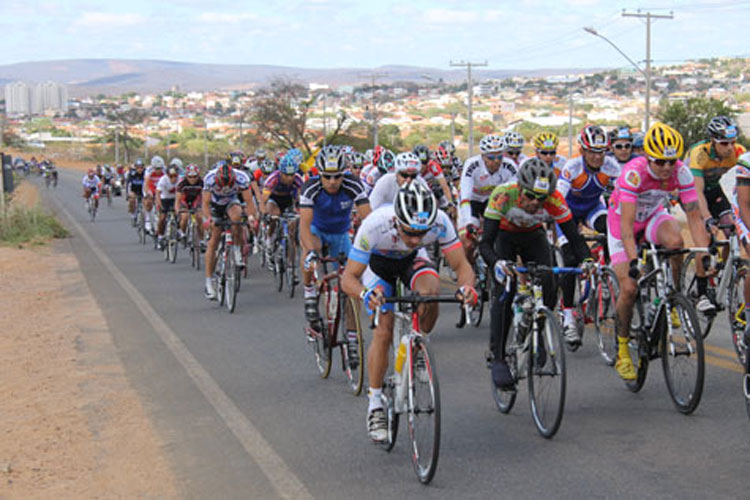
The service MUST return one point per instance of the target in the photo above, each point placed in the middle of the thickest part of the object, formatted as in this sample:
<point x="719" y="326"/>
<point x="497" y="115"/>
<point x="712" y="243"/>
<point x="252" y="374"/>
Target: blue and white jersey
<point x="222" y="196"/>
<point x="332" y="212"/>
<point x="582" y="187"/>
<point x="91" y="182"/>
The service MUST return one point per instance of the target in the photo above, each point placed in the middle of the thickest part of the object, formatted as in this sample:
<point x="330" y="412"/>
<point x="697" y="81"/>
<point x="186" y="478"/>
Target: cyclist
<point x="258" y="178"/>
<point x="545" y="144"/>
<point x="281" y="192"/>
<point x="105" y="173"/>
<point x="407" y="169"/>
<point x="326" y="203"/>
<point x="383" y="161"/>
<point x="514" y="147"/>
<point x="134" y="185"/>
<point x="254" y="163"/>
<point x="389" y="245"/>
<point x="356" y="162"/>
<point x="741" y="205"/>
<point x="583" y="181"/>
<point x="636" y="210"/>
<point x="708" y="161"/>
<point x="480" y="175"/>
<point x="223" y="188"/>
<point x="432" y="173"/>
<point x="91" y="186"/>
<point x="177" y="163"/>
<point x="621" y="145"/>
<point x="513" y="227"/>
<point x="423" y="153"/>
<point x="50" y="172"/>
<point x="166" y="191"/>
<point x="153" y="173"/>
<point x="188" y="197"/>
<point x="638" y="143"/>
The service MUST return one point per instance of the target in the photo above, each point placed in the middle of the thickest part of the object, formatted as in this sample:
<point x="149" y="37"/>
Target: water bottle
<point x="400" y="356"/>
<point x="652" y="308"/>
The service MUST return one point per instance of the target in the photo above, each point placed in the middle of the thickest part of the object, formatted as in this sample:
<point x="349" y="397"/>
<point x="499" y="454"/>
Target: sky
<point x="519" y="34"/>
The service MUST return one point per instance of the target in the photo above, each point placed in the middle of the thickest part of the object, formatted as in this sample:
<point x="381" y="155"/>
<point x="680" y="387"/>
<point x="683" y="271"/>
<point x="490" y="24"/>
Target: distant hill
<point x="114" y="76"/>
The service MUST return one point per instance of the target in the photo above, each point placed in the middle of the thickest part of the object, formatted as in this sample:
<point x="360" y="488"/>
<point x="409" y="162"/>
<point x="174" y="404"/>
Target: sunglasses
<point x="192" y="176"/>
<point x="415" y="234"/>
<point x="595" y="151"/>
<point x="547" y="153"/>
<point x="534" y="196"/>
<point x="725" y="143"/>
<point x="623" y="146"/>
<point x="496" y="157"/>
<point x="407" y="176"/>
<point x="661" y="163"/>
<point x="513" y="153"/>
<point x="332" y="177"/>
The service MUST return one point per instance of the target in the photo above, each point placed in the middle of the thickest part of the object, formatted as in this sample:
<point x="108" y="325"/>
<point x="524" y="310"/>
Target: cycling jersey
<point x="190" y="192"/>
<point x="558" y="163"/>
<point x="91" y="183"/>
<point x="153" y="175"/>
<point x="167" y="189"/>
<point x="332" y="212"/>
<point x="703" y="162"/>
<point x="582" y="188"/>
<point x="477" y="183"/>
<point x="432" y="173"/>
<point x="504" y="206"/>
<point x="385" y="190"/>
<point x="227" y="194"/>
<point x="378" y="235"/>
<point x="369" y="176"/>
<point x="743" y="179"/>
<point x="275" y="187"/>
<point x="135" y="182"/>
<point x="619" y="162"/>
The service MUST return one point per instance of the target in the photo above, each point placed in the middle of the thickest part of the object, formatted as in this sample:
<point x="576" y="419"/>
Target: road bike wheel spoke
<point x="424" y="412"/>
<point x="546" y="374"/>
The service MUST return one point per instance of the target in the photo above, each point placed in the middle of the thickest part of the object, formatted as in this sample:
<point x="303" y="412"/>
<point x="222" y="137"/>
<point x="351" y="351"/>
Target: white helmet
<point x="491" y="143"/>
<point x="157" y="162"/>
<point x="407" y="161"/>
<point x="415" y="206"/>
<point x="513" y="140"/>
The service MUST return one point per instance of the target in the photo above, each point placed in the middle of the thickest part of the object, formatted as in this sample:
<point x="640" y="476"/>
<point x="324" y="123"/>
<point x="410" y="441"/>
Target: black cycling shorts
<point x="477" y="208"/>
<point x="717" y="202"/>
<point x="219" y="212"/>
<point x="167" y="205"/>
<point x="389" y="270"/>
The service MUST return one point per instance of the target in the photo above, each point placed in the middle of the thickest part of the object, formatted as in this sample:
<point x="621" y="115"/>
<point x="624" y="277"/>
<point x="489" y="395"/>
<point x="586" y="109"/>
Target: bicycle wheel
<point x="505" y="399"/>
<point x="220" y="274"/>
<point x="142" y="236"/>
<point x="682" y="354"/>
<point x="173" y="243"/>
<point x="290" y="269"/>
<point x="423" y="415"/>
<point x="736" y="311"/>
<point x="546" y="373"/>
<point x="601" y="304"/>
<point x="484" y="288"/>
<point x="279" y="265"/>
<point x="391" y="416"/>
<point x="196" y="247"/>
<point x="322" y="345"/>
<point x="353" y="359"/>
<point x="231" y="271"/>
<point x="689" y="284"/>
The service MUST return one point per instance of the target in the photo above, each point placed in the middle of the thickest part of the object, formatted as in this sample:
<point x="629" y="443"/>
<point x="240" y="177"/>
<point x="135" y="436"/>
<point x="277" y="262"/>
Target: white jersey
<point x="385" y="190"/>
<point x="167" y="189"/>
<point x="91" y="182"/>
<point x="222" y="196"/>
<point x="477" y="184"/>
<point x="378" y="235"/>
<point x="369" y="176"/>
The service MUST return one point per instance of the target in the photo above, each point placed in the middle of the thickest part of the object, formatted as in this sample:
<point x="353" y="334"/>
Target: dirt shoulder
<point x="71" y="426"/>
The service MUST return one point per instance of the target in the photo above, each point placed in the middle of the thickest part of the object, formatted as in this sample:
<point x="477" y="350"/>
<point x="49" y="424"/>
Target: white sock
<point x="208" y="282"/>
<point x="568" y="315"/>
<point x="309" y="291"/>
<point x="375" y="399"/>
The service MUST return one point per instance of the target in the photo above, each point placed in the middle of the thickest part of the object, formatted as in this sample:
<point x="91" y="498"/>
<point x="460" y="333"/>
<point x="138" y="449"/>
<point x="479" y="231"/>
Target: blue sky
<point x="522" y="34"/>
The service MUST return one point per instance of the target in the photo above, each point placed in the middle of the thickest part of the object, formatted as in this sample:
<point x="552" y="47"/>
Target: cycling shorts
<point x="337" y="243"/>
<point x="283" y="202"/>
<point x="647" y="229"/>
<point x="717" y="202"/>
<point x="588" y="218"/>
<point x="219" y="212"/>
<point x="385" y="272"/>
<point x="186" y="204"/>
<point x="167" y="205"/>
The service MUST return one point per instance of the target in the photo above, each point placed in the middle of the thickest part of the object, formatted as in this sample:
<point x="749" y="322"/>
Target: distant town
<point x="41" y="116"/>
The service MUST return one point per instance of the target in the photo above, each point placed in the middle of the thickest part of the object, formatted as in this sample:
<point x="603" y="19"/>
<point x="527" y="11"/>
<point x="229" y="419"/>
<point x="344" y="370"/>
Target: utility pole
<point x="468" y="65"/>
<point x="648" y="16"/>
<point x="570" y="126"/>
<point x="373" y="104"/>
<point x="117" y="145"/>
<point x="325" y="119"/>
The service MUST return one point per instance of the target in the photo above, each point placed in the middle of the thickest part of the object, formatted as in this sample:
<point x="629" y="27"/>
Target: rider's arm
<point x="467" y="186"/>
<point x="446" y="189"/>
<point x="305" y="222"/>
<point x="248" y="199"/>
<point x="351" y="282"/>
<point x="696" y="224"/>
<point x="487" y="242"/>
<point x="702" y="203"/>
<point x="456" y="258"/>
<point x="177" y="198"/>
<point x="627" y="223"/>
<point x="576" y="241"/>
<point x="264" y="200"/>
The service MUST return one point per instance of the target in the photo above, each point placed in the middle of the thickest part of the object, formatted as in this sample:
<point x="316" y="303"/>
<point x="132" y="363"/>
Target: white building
<point x="17" y="99"/>
<point x="20" y="98"/>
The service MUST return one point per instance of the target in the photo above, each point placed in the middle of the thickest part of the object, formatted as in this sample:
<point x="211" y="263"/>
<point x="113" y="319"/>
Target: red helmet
<point x="279" y="156"/>
<point x="377" y="153"/>
<point x="225" y="176"/>
<point x="443" y="157"/>
<point x="593" y="138"/>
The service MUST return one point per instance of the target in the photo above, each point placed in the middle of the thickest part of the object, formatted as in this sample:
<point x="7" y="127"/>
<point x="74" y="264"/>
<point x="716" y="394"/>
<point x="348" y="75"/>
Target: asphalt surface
<point x="248" y="417"/>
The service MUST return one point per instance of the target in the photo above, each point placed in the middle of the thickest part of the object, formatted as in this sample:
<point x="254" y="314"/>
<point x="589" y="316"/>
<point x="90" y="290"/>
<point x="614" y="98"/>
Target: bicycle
<point x="171" y="243"/>
<point x="284" y="253"/>
<point x="535" y="329"/>
<point x="92" y="205"/>
<point x="483" y="284"/>
<point x="411" y="386"/>
<point x="339" y="320"/>
<point x="192" y="239"/>
<point x="725" y="289"/>
<point x="139" y="221"/>
<point x="227" y="271"/>
<point x="665" y="324"/>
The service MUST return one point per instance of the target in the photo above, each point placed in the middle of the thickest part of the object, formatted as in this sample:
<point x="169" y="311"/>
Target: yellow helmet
<point x="546" y="141"/>
<point x="662" y="142"/>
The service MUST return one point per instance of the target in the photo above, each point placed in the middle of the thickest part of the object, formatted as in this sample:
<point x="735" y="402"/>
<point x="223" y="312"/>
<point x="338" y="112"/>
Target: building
<point x="17" y="99"/>
<point x="22" y="99"/>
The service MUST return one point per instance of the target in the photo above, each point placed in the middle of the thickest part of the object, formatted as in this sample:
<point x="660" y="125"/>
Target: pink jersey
<point x="637" y="185"/>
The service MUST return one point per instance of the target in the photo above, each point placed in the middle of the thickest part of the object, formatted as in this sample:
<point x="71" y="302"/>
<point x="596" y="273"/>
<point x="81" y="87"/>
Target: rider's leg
<point x="425" y="280"/>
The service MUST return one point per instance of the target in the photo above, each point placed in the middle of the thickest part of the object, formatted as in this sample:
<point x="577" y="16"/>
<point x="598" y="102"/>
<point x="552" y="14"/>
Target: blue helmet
<point x="289" y="164"/>
<point x="622" y="132"/>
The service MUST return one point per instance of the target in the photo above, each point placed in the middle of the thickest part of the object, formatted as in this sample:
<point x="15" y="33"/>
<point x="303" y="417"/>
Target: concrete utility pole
<point x="373" y="104"/>
<point x="570" y="125"/>
<point x="470" y="99"/>
<point x="117" y="145"/>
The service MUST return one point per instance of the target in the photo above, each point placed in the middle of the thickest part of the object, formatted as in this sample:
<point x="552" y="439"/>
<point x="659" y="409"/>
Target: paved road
<point x="243" y="413"/>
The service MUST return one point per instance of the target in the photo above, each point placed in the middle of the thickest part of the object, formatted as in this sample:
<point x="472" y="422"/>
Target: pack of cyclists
<point x="383" y="210"/>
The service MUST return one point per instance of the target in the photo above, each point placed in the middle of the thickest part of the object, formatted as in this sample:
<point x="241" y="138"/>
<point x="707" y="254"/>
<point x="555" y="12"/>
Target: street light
<point x="646" y="74"/>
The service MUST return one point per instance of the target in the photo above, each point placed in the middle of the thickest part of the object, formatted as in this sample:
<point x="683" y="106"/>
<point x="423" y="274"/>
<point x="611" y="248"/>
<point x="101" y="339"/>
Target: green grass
<point x="32" y="226"/>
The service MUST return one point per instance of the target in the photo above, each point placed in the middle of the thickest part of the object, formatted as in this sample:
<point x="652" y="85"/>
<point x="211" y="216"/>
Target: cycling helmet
<point x="638" y="139"/>
<point x="267" y="167"/>
<point x="279" y="156"/>
<point x="422" y="152"/>
<point x="358" y="159"/>
<point x="289" y="164"/>
<point x="224" y="175"/>
<point x="622" y="132"/>
<point x="546" y="141"/>
<point x="138" y="162"/>
<point x="368" y="155"/>
<point x="593" y="138"/>
<point x="330" y="159"/>
<point x="91" y="171"/>
<point x="249" y="161"/>
<point x="722" y="127"/>
<point x="157" y="162"/>
<point x="443" y="157"/>
<point x="192" y="169"/>
<point x="296" y="154"/>
<point x="415" y="206"/>
<point x="536" y="176"/>
<point x="491" y="143"/>
<point x="513" y="140"/>
<point x="387" y="161"/>
<point x="176" y="162"/>
<point x="234" y="159"/>
<point x="376" y="153"/>
<point x="407" y="162"/>
<point x="260" y="154"/>
<point x="448" y="146"/>
<point x="662" y="142"/>
<point x="172" y="171"/>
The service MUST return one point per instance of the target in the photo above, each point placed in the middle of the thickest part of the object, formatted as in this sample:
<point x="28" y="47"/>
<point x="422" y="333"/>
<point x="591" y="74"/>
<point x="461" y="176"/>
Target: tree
<point x="125" y="119"/>
<point x="690" y="117"/>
